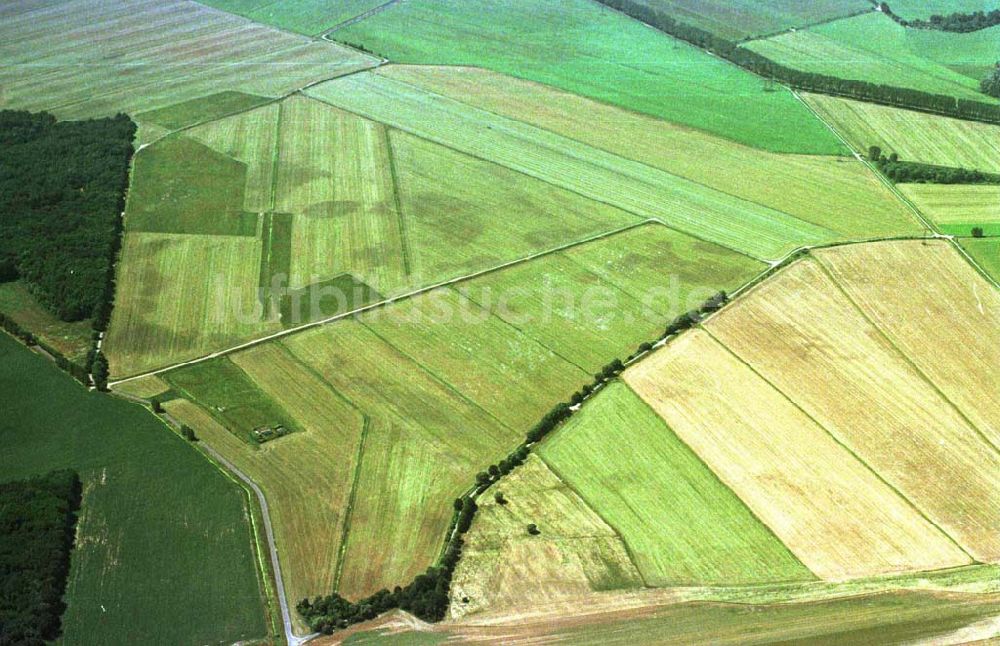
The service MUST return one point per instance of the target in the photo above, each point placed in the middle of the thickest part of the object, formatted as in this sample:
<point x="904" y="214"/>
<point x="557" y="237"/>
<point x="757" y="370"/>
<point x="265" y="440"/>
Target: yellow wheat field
<point x="831" y="511"/>
<point x="941" y="313"/>
<point x="805" y="337"/>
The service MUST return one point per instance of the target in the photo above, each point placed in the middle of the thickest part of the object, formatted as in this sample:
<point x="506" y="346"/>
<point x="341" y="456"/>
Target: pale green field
<point x="80" y="59"/>
<point x="463" y="214"/>
<point x="637" y="188"/>
<point x="873" y="48"/>
<point x="830" y="191"/>
<point x="200" y="110"/>
<point x="973" y="54"/>
<point x="914" y="136"/>
<point x="913" y="9"/>
<point x="681" y="524"/>
<point x="73" y="340"/>
<point x="955" y="208"/>
<point x="588" y="49"/>
<point x="308" y="17"/>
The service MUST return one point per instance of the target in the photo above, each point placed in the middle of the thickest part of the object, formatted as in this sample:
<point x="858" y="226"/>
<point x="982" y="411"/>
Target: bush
<point x="977" y="232"/>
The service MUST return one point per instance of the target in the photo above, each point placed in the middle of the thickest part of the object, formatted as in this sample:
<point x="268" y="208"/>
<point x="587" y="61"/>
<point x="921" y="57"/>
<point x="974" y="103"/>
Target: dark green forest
<point x="37" y="521"/>
<point x="62" y="188"/>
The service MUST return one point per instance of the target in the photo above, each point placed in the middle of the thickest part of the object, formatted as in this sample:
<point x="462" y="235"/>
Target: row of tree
<point x="37" y="521"/>
<point x="427" y="596"/>
<point x="76" y="370"/>
<point x="955" y="22"/>
<point x="907" y="172"/>
<point x="808" y="81"/>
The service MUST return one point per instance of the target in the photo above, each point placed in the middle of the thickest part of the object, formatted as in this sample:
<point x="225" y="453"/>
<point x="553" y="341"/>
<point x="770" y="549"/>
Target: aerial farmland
<point x="590" y="321"/>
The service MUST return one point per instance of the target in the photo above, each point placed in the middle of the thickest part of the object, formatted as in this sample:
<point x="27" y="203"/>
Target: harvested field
<point x="739" y="19"/>
<point x="334" y="175"/>
<point x="938" y="311"/>
<point x="145" y="388"/>
<point x="803" y="336"/>
<point x="640" y="189"/>
<point x="870" y="47"/>
<point x="308" y="17"/>
<point x="837" y="193"/>
<point x="914" y="136"/>
<point x="503" y="566"/>
<point x="80" y="59"/>
<point x="826" y="506"/>
<point x="462" y="214"/>
<point x="591" y="50"/>
<point x="182" y="296"/>
<point x="955" y="208"/>
<point x="681" y="524"/>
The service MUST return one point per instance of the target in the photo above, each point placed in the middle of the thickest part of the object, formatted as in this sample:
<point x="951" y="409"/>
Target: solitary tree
<point x="977" y="232"/>
<point x="498" y="496"/>
<point x="874" y="153"/>
<point x="533" y="529"/>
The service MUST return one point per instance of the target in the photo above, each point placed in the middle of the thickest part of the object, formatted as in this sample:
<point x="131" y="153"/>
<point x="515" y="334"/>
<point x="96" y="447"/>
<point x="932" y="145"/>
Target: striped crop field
<point x="834" y="514"/>
<point x="740" y="19"/>
<point x="309" y="17"/>
<point x="166" y="311"/>
<point x="914" y="136"/>
<point x="503" y="566"/>
<point x="926" y="298"/>
<point x="833" y="192"/>
<point x="802" y="335"/>
<point x="642" y="190"/>
<point x="924" y="9"/>
<point x="334" y="175"/>
<point x="681" y="524"/>
<point x="464" y="214"/>
<point x="583" y="47"/>
<point x="150" y="54"/>
<point x="956" y="208"/>
<point x="870" y="47"/>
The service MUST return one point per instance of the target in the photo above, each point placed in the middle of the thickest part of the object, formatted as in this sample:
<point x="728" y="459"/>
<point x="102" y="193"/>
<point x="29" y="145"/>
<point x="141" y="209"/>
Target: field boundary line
<point x="388" y="301"/>
<point x="840" y="443"/>
<point x="806" y="26"/>
<point x="596" y="200"/>
<point x="345" y="527"/>
<point x="904" y="356"/>
<point x="590" y="506"/>
<point x="404" y="238"/>
<point x="877" y="173"/>
<point x="374" y="11"/>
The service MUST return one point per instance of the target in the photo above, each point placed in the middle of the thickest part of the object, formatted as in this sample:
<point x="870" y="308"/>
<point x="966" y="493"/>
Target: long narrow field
<point x="973" y="54"/>
<point x="957" y="209"/>
<point x="916" y="9"/>
<point x="938" y="311"/>
<point x="914" y="136"/>
<point x="837" y="516"/>
<point x="871" y="47"/>
<point x="149" y="54"/>
<point x="308" y="17"/>
<point x="503" y="566"/>
<point x="740" y="19"/>
<point x="680" y="523"/>
<point x="833" y="192"/>
<point x="640" y="189"/>
<point x="588" y="49"/>
<point x="799" y="332"/>
<point x="163" y="547"/>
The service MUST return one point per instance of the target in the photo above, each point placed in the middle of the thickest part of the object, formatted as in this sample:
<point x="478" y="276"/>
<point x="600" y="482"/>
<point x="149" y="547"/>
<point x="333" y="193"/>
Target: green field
<point x="150" y="54"/>
<point x="834" y="192"/>
<point x="957" y="209"/>
<point x="681" y="524"/>
<point x="973" y="54"/>
<point x="916" y="9"/>
<point x="200" y="110"/>
<point x="739" y="19"/>
<point x="308" y="17"/>
<point x="164" y="551"/>
<point x="914" y="136"/>
<point x="640" y="189"/>
<point x="987" y="253"/>
<point x="73" y="340"/>
<point x="873" y="48"/>
<point x="591" y="50"/>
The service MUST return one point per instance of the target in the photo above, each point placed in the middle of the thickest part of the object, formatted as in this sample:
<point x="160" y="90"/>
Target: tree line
<point x="62" y="190"/>
<point x="426" y="596"/>
<point x="808" y="81"/>
<point x="907" y="172"/>
<point x="957" y="22"/>
<point x="37" y="524"/>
